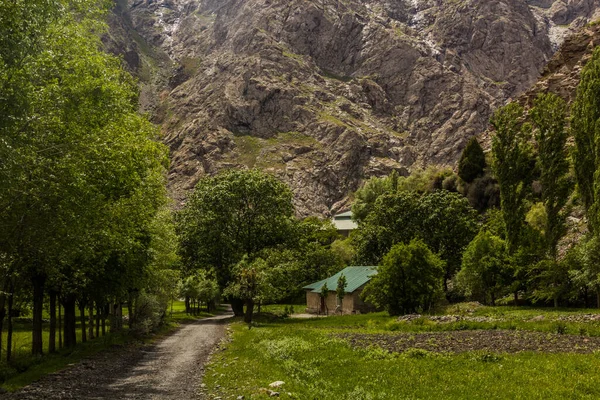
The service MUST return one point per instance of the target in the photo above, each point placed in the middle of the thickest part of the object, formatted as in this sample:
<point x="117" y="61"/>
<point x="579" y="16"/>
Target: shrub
<point x="149" y="314"/>
<point x="408" y="280"/>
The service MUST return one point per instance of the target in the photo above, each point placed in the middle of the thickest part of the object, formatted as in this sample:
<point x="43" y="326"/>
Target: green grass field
<point x="316" y="363"/>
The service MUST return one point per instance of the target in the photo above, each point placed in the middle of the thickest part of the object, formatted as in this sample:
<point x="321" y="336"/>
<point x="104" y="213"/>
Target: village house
<point x="343" y="223"/>
<point x="356" y="279"/>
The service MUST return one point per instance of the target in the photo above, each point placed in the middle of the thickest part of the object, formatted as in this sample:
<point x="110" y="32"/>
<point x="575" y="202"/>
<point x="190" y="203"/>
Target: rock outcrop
<point x="325" y="93"/>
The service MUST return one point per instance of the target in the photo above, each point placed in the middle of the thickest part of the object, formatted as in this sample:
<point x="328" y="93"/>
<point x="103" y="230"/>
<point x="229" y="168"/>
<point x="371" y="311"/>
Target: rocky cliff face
<point x="325" y="93"/>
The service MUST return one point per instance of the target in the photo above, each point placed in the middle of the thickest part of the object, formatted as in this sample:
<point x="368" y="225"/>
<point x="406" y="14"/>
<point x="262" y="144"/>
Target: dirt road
<point x="170" y="369"/>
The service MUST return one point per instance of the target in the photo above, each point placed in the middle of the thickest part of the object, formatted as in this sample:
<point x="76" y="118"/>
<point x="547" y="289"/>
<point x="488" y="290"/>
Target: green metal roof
<point x="355" y="278"/>
<point x="344" y="215"/>
<point x="343" y="222"/>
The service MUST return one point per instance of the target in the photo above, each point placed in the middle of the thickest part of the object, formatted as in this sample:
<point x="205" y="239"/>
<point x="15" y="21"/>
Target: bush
<point x="409" y="279"/>
<point x="149" y="314"/>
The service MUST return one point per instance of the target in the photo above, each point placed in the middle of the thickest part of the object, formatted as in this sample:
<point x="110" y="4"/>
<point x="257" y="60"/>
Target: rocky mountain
<point x="324" y="93"/>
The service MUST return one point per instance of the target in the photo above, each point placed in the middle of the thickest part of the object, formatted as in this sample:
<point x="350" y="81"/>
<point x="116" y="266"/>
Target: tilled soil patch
<point x="498" y="341"/>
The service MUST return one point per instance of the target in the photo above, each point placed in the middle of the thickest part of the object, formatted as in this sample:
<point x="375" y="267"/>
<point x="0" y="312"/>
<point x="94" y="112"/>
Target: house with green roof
<point x="356" y="279"/>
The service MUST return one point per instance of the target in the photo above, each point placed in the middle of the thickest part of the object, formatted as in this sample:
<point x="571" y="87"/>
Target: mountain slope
<point x="325" y="93"/>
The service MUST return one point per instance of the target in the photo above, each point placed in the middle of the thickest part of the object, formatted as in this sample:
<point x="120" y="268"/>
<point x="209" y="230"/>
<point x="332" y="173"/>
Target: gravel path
<point x="170" y="369"/>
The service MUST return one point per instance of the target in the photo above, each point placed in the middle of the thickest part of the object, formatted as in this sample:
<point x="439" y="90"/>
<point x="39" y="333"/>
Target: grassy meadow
<point x="319" y="359"/>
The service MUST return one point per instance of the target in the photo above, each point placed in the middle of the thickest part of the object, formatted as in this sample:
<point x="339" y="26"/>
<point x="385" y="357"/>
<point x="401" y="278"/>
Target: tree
<point x="443" y="220"/>
<point x="234" y="214"/>
<point x="394" y="219"/>
<point x="323" y="296"/>
<point x="512" y="164"/>
<point x="472" y="161"/>
<point x="549" y="117"/>
<point x="447" y="225"/>
<point x="551" y="281"/>
<point x="365" y="197"/>
<point x="585" y="129"/>
<point x="340" y="290"/>
<point x="485" y="274"/>
<point x="408" y="279"/>
<point x="250" y="283"/>
<point x="586" y="256"/>
<point x="74" y="152"/>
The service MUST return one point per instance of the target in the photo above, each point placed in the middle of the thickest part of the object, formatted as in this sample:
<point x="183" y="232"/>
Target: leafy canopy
<point x="408" y="280"/>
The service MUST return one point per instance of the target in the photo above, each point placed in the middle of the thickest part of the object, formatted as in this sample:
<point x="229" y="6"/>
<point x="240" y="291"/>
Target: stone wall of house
<point x="351" y="303"/>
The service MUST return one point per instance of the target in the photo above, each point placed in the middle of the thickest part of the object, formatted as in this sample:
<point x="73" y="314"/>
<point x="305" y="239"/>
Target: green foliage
<point x="485" y="272"/>
<point x="443" y="220"/>
<point x="340" y="290"/>
<point x="472" y="161"/>
<point x="250" y="280"/>
<point x="200" y="286"/>
<point x="584" y="260"/>
<point x="513" y="166"/>
<point x="551" y="281"/>
<point x="324" y="291"/>
<point x="408" y="279"/>
<point x="549" y="118"/>
<point x="82" y="178"/>
<point x="344" y="250"/>
<point x="234" y="214"/>
<point x="585" y="114"/>
<point x="365" y="197"/>
<point x="420" y="181"/>
<point x="149" y="314"/>
<point x="537" y="217"/>
<point x="483" y="193"/>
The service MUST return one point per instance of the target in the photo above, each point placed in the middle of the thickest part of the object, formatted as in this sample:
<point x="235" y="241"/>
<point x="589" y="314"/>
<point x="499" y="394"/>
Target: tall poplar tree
<point x="513" y="165"/>
<point x="549" y="117"/>
<point x="585" y="128"/>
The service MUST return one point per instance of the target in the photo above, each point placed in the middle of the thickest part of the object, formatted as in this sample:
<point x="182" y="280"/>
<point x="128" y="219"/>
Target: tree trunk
<point x="91" y="320"/>
<point x="249" y="311"/>
<point x="120" y="315"/>
<point x="187" y="305"/>
<point x="555" y="301"/>
<point x="516" y="294"/>
<point x="2" y="315"/>
<point x="60" y="326"/>
<point x="237" y="305"/>
<point x="131" y="319"/>
<point x="10" y="328"/>
<point x="598" y="297"/>
<point x="104" y="315"/>
<point x="82" y="318"/>
<point x="97" y="320"/>
<point x="114" y="326"/>
<point x="52" y="336"/>
<point x="37" y="344"/>
<point x="70" y="331"/>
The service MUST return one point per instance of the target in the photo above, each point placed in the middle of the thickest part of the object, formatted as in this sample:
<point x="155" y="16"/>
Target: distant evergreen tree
<point x="472" y="161"/>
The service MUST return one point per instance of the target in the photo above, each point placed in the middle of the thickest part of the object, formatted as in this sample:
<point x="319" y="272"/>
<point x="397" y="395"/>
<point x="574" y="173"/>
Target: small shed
<point x="343" y="223"/>
<point x="356" y="279"/>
